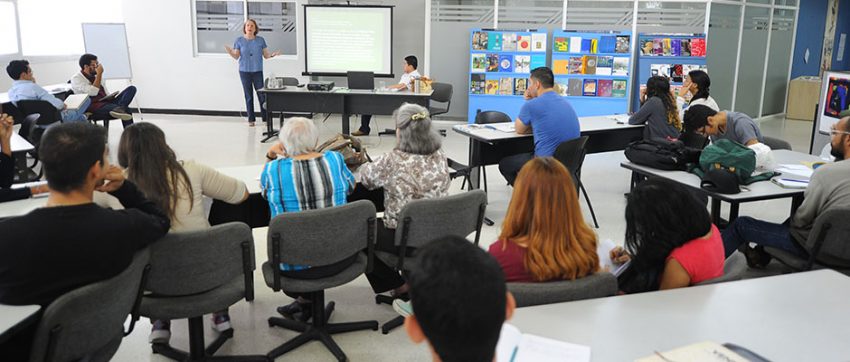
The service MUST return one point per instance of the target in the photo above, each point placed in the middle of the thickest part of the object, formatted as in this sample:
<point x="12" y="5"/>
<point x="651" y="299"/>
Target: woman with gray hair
<point x="298" y="178"/>
<point x="416" y="169"/>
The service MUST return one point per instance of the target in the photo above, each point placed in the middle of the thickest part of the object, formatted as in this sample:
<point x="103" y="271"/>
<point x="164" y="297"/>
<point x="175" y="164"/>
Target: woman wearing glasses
<point x="658" y="111"/>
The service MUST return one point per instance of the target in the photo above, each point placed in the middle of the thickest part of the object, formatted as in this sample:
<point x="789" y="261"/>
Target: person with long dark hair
<point x="697" y="84"/>
<point x="658" y="111"/>
<point x="177" y="188"/>
<point x="250" y="50"/>
<point x="669" y="238"/>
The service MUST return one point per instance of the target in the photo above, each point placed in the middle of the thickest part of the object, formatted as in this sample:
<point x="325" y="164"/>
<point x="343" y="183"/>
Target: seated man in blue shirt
<point x="24" y="88"/>
<point x="547" y="115"/>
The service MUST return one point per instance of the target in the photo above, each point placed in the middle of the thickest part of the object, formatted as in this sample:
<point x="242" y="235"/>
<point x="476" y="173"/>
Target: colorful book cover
<point x="594" y="46"/>
<point x="520" y="85"/>
<point x="492" y="86"/>
<point x="522" y="64"/>
<point x="506" y="63"/>
<point x="585" y="45"/>
<point x="658" y="46"/>
<point x="479" y="40"/>
<point x="492" y="62"/>
<point x="537" y="61"/>
<point x="523" y="43"/>
<point x="575" y="44"/>
<point x="676" y="47"/>
<point x="676" y="73"/>
<point x="605" y="65"/>
<point x="589" y="62"/>
<point x="561" y="66"/>
<point x="666" y="47"/>
<point x="589" y="89"/>
<point x="686" y="47"/>
<point x="509" y="42"/>
<point x="576" y="65"/>
<point x="607" y="44"/>
<point x="561" y="44"/>
<point x="647" y="47"/>
<point x="605" y="88"/>
<point x="698" y="47"/>
<point x="538" y="42"/>
<point x="561" y="88"/>
<point x="621" y="66"/>
<point x="494" y="41"/>
<point x="574" y="87"/>
<point x="623" y="44"/>
<point x="662" y="70"/>
<point x="506" y="86"/>
<point x="477" y="83"/>
<point x="688" y="68"/>
<point x="619" y="89"/>
<point x="479" y="63"/>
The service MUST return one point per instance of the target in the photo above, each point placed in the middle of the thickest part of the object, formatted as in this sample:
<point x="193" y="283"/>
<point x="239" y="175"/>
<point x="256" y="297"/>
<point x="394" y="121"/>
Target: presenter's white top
<point x="407" y="77"/>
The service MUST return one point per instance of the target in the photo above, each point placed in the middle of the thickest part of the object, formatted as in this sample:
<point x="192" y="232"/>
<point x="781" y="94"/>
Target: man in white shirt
<point x="89" y="80"/>
<point x="406" y="81"/>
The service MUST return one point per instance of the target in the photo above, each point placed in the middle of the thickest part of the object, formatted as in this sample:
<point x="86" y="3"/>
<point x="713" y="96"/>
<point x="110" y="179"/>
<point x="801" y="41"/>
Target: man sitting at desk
<point x="89" y="80"/>
<point x="410" y="73"/>
<point x="828" y="189"/>
<point x="734" y="126"/>
<point x="547" y="115"/>
<point x="24" y="88"/>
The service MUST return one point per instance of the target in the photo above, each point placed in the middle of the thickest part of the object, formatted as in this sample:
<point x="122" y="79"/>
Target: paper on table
<point x="698" y="352"/>
<point x="507" y="127"/>
<point x="620" y="118"/>
<point x="517" y="347"/>
<point x="603" y="249"/>
<point x="801" y="170"/>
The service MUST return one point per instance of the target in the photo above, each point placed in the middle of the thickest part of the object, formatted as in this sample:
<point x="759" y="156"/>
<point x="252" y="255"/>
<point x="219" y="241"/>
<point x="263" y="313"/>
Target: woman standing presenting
<point x="250" y="50"/>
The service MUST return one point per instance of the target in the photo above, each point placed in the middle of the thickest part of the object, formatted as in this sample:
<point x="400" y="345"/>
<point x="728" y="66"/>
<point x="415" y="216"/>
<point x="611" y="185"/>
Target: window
<point x="8" y="29"/>
<point x="219" y="23"/>
<point x="46" y="25"/>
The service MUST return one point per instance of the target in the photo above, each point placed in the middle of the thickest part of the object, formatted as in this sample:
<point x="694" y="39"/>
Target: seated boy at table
<point x="410" y="73"/>
<point x="460" y="301"/>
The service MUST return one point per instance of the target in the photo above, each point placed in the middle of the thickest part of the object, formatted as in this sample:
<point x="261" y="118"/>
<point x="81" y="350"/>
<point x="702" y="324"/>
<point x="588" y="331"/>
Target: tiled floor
<point x="225" y="141"/>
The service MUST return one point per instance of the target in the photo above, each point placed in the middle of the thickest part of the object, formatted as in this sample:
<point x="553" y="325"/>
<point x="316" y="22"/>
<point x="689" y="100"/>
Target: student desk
<point x="793" y="317"/>
<point x="339" y="100"/>
<point x="488" y="146"/>
<point x="758" y="191"/>
<point x="13" y="318"/>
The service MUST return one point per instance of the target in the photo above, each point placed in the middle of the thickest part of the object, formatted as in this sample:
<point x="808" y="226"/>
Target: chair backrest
<point x="89" y="319"/>
<point x="442" y="92"/>
<point x="361" y="80"/>
<point x="486" y="117"/>
<point x="13" y="111"/>
<point x="776" y="143"/>
<point x="322" y="236"/>
<point x="571" y="154"/>
<point x="423" y="221"/>
<point x="289" y="81"/>
<point x="828" y="239"/>
<point x="49" y="114"/>
<point x="733" y="269"/>
<point x="599" y="285"/>
<point x="192" y="262"/>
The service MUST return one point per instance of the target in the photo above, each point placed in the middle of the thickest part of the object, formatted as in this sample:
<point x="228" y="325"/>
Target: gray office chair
<point x="423" y="221"/>
<point x="827" y="244"/>
<point x="196" y="273"/>
<point x="571" y="154"/>
<point x="442" y="94"/>
<point x="733" y="269"/>
<point x="320" y="237"/>
<point x="599" y="285"/>
<point x="777" y="143"/>
<point x="88" y="322"/>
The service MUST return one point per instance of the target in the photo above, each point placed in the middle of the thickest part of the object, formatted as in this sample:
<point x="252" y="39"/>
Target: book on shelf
<point x="621" y="66"/>
<point x="523" y="43"/>
<point x="657" y="47"/>
<point x="479" y="63"/>
<point x="576" y="65"/>
<point x="561" y="66"/>
<point x="666" y="44"/>
<point x="605" y="88"/>
<point x="538" y="42"/>
<point x="522" y="64"/>
<point x="662" y="70"/>
<point x="537" y="61"/>
<point x="492" y="62"/>
<point x="589" y="88"/>
<point x="575" y="44"/>
<point x="604" y="65"/>
<point x="623" y="44"/>
<point x="562" y="44"/>
<point x="676" y="47"/>
<point x="509" y="42"/>
<point x="589" y="63"/>
<point x="618" y="88"/>
<point x="561" y="87"/>
<point x="586" y="45"/>
<point x="686" y="47"/>
<point x="607" y="44"/>
<point x="494" y="42"/>
<point x="492" y="86"/>
<point x="574" y="87"/>
<point x="506" y="86"/>
<point x="698" y="47"/>
<point x="477" y="82"/>
<point x="676" y="73"/>
<point x="594" y="46"/>
<point x="506" y="63"/>
<point x="479" y="40"/>
<point x="647" y="47"/>
<point x="520" y="86"/>
<point x="688" y="68"/>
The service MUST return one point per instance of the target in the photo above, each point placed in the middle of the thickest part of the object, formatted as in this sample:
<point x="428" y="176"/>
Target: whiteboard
<point x="109" y="43"/>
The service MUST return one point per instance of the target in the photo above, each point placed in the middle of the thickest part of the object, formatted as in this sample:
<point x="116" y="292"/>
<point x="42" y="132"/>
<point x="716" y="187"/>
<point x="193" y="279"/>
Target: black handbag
<point x="662" y="155"/>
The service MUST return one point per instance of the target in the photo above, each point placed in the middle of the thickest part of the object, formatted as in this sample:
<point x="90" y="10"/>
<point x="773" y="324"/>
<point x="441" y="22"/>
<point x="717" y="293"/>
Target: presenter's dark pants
<point x="510" y="166"/>
<point x="365" y="119"/>
<point x="122" y="100"/>
<point x="383" y="277"/>
<point x="252" y="81"/>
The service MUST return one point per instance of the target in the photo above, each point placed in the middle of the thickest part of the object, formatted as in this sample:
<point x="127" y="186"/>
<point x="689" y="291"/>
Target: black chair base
<point x="197" y="350"/>
<point x="319" y="330"/>
<point x="392" y="324"/>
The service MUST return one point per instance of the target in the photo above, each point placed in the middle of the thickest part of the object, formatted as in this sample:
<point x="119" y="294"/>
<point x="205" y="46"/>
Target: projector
<point x="320" y="86"/>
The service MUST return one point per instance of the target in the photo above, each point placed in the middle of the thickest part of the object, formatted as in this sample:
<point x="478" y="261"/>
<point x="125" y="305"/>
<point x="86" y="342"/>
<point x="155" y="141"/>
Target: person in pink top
<point x="669" y="238"/>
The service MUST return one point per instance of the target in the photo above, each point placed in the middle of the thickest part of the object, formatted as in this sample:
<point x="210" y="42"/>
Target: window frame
<point x="198" y="54"/>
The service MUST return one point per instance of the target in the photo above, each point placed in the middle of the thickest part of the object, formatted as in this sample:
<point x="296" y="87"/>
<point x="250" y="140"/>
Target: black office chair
<point x="571" y="154"/>
<point x="442" y="94"/>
